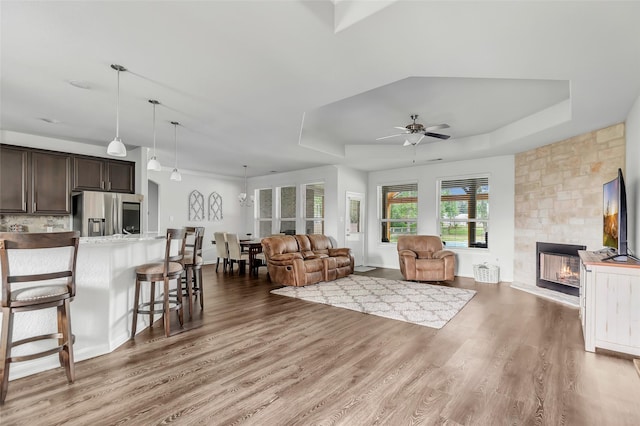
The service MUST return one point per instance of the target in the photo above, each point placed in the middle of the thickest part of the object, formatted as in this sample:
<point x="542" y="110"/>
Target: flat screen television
<point x="614" y="229"/>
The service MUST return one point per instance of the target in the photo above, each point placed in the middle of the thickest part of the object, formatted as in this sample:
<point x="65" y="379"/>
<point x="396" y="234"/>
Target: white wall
<point x="632" y="177"/>
<point x="174" y="204"/>
<point x="501" y="205"/>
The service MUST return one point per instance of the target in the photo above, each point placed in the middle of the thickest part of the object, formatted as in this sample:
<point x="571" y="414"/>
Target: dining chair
<point x="33" y="281"/>
<point x="171" y="268"/>
<point x="221" y="248"/>
<point x="236" y="255"/>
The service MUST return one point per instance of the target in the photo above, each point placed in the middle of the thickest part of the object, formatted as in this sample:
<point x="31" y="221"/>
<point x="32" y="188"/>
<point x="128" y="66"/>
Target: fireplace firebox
<point x="558" y="267"/>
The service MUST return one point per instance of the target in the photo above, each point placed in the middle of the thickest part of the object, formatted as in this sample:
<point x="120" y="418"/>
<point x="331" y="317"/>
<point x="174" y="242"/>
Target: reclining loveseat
<point x="305" y="259"/>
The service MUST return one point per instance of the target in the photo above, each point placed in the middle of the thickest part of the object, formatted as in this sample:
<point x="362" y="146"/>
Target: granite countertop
<point x="120" y="238"/>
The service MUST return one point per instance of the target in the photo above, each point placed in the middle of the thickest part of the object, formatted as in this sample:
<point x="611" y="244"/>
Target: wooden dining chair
<point x="33" y="281"/>
<point x="171" y="268"/>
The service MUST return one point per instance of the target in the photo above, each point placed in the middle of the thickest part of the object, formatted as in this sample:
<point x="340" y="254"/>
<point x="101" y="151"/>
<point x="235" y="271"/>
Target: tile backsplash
<point x="35" y="223"/>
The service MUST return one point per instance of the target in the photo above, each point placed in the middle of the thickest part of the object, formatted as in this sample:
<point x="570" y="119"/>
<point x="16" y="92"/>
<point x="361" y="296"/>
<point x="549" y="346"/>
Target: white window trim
<point x="438" y="219"/>
<point x="379" y="208"/>
<point x="303" y="212"/>
<point x="277" y="218"/>
<point x="256" y="211"/>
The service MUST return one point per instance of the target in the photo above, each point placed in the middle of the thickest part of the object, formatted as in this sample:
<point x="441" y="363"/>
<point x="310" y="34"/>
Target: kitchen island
<point x="102" y="308"/>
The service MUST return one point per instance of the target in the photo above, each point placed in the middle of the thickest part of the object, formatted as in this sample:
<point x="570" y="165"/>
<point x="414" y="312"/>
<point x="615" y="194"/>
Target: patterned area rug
<point x="418" y="303"/>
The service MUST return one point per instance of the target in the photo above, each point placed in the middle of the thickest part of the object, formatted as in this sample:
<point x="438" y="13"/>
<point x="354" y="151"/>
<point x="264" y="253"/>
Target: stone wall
<point x="558" y="194"/>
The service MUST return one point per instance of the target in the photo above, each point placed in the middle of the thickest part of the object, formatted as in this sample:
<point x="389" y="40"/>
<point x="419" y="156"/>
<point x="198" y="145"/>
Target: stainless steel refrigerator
<point x="106" y="213"/>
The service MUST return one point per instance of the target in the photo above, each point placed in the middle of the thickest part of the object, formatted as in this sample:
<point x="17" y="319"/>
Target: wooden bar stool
<point x="170" y="269"/>
<point x="45" y="282"/>
<point x="192" y="279"/>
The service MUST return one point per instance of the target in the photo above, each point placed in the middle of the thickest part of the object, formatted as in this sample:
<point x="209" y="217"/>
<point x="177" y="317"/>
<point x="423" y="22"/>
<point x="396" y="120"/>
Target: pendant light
<point x="175" y="174"/>
<point x="245" y="201"/>
<point x="116" y="147"/>
<point x="153" y="163"/>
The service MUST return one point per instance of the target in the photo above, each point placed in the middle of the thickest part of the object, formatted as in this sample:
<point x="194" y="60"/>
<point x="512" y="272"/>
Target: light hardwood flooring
<point x="259" y="359"/>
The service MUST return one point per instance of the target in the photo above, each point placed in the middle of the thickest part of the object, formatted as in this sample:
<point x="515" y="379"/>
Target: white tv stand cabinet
<point x="610" y="303"/>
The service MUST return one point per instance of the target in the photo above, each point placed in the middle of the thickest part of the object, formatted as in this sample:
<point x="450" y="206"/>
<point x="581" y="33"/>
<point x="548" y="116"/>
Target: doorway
<point x="354" y="232"/>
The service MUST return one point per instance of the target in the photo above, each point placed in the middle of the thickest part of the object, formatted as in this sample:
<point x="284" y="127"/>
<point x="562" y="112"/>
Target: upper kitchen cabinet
<point x="101" y="174"/>
<point x="50" y="183"/>
<point x="121" y="176"/>
<point x="33" y="181"/>
<point x="14" y="180"/>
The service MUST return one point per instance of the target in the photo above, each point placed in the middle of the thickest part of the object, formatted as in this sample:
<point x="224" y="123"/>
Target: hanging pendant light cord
<point x="118" y="109"/>
<point x="154" y="130"/>
<point x="175" y="139"/>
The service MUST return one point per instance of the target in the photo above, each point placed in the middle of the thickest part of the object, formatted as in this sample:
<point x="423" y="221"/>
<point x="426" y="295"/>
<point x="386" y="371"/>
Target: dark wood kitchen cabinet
<point x="50" y="183"/>
<point x="34" y="181"/>
<point x="101" y="174"/>
<point x="14" y="180"/>
<point x="121" y="176"/>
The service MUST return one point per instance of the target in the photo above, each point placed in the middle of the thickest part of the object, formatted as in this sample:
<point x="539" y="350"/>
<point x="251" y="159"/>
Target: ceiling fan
<point x="415" y="132"/>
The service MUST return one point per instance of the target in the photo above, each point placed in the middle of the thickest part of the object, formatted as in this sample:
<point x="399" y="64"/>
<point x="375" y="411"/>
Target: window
<point x="288" y="209"/>
<point x="314" y="208"/>
<point x="399" y="213"/>
<point x="464" y="212"/>
<point x="265" y="212"/>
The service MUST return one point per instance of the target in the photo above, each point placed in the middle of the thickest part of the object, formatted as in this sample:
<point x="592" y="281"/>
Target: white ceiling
<point x="240" y="76"/>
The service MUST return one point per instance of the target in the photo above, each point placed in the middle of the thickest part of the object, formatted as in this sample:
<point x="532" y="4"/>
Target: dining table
<point x="253" y="247"/>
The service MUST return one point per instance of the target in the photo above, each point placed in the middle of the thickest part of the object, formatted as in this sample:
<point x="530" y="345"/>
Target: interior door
<point x="354" y="232"/>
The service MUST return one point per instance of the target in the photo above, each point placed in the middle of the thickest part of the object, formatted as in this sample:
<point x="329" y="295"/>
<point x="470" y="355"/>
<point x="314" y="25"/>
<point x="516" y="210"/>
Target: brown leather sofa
<point x="422" y="258"/>
<point x="305" y="259"/>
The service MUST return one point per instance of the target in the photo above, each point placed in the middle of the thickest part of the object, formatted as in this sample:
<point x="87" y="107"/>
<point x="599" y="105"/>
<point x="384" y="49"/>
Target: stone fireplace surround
<point x="558" y="197"/>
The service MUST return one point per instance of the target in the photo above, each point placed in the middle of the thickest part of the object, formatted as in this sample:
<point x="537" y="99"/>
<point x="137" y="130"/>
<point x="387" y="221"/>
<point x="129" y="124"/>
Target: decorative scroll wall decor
<point x="215" y="207"/>
<point x="196" y="206"/>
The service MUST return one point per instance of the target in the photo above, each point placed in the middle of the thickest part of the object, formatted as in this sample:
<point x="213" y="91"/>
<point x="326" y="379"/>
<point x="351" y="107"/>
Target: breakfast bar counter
<point x="102" y="308"/>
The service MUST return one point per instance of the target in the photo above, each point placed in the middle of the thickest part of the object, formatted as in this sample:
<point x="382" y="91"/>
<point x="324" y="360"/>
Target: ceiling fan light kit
<point x="415" y="132"/>
<point x="116" y="148"/>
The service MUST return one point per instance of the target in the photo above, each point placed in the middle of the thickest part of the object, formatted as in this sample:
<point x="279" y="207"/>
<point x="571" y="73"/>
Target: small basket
<point x="485" y="273"/>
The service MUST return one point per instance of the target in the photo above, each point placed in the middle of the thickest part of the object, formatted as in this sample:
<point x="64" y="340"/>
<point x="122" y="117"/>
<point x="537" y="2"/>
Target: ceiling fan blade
<point x="437" y="135"/>
<point x="387" y="137"/>
<point x="437" y="127"/>
<point x="400" y="128"/>
<point x="407" y="143"/>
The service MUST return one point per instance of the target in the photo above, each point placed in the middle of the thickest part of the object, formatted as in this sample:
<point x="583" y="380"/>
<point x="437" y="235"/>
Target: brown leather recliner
<point x="422" y="258"/>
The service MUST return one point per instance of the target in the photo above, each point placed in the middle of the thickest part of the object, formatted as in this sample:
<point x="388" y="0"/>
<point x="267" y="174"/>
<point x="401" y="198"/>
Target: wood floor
<point x="259" y="359"/>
